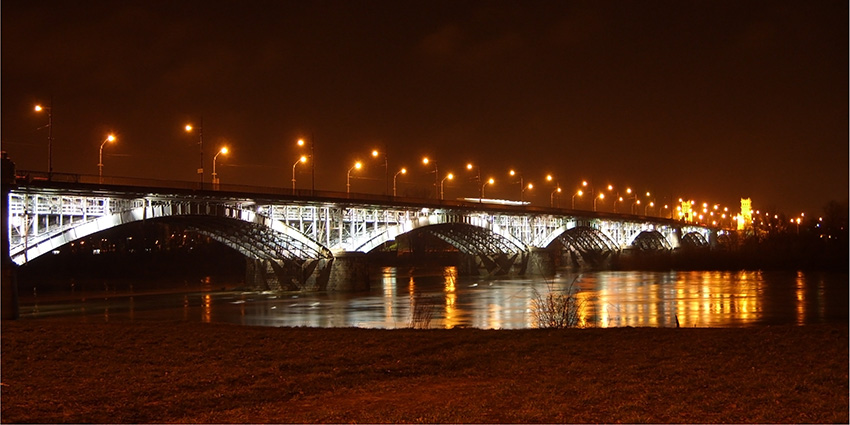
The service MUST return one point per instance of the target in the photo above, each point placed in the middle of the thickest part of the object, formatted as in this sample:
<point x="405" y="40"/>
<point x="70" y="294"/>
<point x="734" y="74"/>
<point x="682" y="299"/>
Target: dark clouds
<point x="711" y="100"/>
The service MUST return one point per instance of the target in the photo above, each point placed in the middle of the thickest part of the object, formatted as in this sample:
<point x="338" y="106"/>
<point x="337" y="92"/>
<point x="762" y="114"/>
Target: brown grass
<point x="73" y="370"/>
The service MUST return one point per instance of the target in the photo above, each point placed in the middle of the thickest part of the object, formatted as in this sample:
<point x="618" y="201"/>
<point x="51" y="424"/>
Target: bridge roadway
<point x="317" y="240"/>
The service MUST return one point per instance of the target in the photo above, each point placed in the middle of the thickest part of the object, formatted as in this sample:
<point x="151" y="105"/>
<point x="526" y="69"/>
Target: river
<point x="442" y="299"/>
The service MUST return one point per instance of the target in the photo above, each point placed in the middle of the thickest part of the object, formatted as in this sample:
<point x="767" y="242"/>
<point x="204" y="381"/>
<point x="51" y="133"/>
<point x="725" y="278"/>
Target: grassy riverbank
<point x="83" y="370"/>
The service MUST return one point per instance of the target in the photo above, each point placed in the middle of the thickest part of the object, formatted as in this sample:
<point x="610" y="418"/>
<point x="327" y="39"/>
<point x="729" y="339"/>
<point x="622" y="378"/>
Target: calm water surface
<point x="608" y="299"/>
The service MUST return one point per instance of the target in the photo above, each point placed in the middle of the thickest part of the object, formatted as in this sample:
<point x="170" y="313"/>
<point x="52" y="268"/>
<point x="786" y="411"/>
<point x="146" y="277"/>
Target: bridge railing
<point x="79" y="181"/>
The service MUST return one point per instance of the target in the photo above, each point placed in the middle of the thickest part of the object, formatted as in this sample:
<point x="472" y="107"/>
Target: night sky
<point x="709" y="100"/>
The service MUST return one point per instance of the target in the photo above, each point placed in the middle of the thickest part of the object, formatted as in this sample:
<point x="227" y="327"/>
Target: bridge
<point x="317" y="240"/>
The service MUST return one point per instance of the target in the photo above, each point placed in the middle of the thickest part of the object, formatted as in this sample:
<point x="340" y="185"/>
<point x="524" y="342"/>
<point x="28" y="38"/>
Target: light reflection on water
<point x="606" y="299"/>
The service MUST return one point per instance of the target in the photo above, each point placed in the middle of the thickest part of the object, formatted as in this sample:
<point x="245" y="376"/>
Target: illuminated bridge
<point x="313" y="240"/>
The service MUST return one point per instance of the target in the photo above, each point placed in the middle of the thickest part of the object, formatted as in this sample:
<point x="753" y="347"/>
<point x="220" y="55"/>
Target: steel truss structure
<point x="42" y="218"/>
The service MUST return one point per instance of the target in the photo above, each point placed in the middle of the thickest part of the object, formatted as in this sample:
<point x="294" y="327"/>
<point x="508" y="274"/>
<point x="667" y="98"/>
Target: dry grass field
<point x="78" y="370"/>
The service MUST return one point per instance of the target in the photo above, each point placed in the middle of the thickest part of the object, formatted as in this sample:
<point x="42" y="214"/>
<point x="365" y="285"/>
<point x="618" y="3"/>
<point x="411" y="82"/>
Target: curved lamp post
<point x="448" y="176"/>
<point x="573" y="200"/>
<point x="109" y="138"/>
<point x="301" y="142"/>
<point x="189" y="129"/>
<point x="490" y="182"/>
<point x="395" y="177"/>
<point x="356" y="166"/>
<point x="300" y="160"/>
<point x="427" y="161"/>
<point x="552" y="196"/>
<point x="39" y="108"/>
<point x="596" y="198"/>
<point x="215" y="179"/>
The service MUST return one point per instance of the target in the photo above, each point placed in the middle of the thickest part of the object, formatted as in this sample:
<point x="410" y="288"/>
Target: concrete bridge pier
<point x="8" y="281"/>
<point x="287" y="275"/>
<point x="540" y="262"/>
<point x="349" y="272"/>
<point x="491" y="264"/>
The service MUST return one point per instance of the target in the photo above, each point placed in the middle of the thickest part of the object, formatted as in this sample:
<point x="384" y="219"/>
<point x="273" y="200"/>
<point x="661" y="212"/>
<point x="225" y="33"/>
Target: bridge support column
<point x="8" y="281"/>
<point x="349" y="272"/>
<point x="540" y="262"/>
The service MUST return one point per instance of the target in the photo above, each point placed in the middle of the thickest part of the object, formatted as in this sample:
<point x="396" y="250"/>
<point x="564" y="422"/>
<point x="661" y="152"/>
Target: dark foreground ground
<point x="70" y="370"/>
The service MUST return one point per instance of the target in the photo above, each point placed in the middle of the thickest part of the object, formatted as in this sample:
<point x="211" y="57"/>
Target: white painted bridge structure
<point x="312" y="229"/>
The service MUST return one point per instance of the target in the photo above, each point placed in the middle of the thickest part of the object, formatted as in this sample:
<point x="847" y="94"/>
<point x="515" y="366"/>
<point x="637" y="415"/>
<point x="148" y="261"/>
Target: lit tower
<point x="746" y="215"/>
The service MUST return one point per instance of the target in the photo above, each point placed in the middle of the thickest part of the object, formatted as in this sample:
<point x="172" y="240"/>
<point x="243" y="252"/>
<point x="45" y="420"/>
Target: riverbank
<point x="85" y="370"/>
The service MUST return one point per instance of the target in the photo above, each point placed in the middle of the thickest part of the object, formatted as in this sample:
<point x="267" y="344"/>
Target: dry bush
<point x="422" y="311"/>
<point x="556" y="309"/>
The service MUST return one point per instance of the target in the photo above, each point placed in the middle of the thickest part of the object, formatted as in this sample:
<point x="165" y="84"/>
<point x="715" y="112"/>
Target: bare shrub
<point x="422" y="311"/>
<point x="556" y="309"/>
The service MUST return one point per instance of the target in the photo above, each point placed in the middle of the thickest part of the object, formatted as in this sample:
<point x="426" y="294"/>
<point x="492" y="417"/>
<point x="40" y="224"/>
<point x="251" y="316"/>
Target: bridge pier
<point x="287" y="275"/>
<point x="349" y="271"/>
<point x="8" y="281"/>
<point x="540" y="262"/>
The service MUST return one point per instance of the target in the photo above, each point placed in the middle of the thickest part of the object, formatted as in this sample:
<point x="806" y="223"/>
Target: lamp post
<point x="490" y="181"/>
<point x="596" y="198"/>
<point x="573" y="199"/>
<point x="395" y="177"/>
<point x="356" y="166"/>
<point x="49" y="108"/>
<point x="109" y="138"/>
<point x="552" y="197"/>
<point x="375" y="154"/>
<point x="448" y="176"/>
<point x="521" y="183"/>
<point x="189" y="129"/>
<point x="300" y="160"/>
<point x="645" y="208"/>
<point x="521" y="192"/>
<point x="427" y="161"/>
<point x="215" y="180"/>
<point x="301" y="142"/>
<point x="469" y="167"/>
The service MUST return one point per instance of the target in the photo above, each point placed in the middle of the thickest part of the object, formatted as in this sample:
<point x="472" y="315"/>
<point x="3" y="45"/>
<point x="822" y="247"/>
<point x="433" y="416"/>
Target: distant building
<point x="686" y="212"/>
<point x="745" y="218"/>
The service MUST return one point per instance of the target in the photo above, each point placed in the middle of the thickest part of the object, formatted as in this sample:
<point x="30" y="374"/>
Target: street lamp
<point x="651" y="204"/>
<point x="448" y="176"/>
<point x="477" y="180"/>
<point x="300" y="160"/>
<point x="189" y="129"/>
<point x="109" y="138"/>
<point x="301" y="142"/>
<point x="395" y="177"/>
<point x="521" y="183"/>
<point x="530" y="186"/>
<point x="573" y="199"/>
<point x="49" y="108"/>
<point x="356" y="166"/>
<point x="427" y="161"/>
<point x="552" y="196"/>
<point x="375" y="154"/>
<point x="215" y="179"/>
<point x="491" y="181"/>
<point x="595" y="198"/>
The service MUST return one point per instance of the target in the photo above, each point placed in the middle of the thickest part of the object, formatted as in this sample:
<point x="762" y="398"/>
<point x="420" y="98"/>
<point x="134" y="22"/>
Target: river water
<point x="442" y="299"/>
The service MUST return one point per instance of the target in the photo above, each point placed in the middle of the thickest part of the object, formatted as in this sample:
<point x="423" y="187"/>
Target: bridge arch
<point x="694" y="240"/>
<point x="467" y="233"/>
<point x="651" y="241"/>
<point x="586" y="246"/>
<point x="224" y="224"/>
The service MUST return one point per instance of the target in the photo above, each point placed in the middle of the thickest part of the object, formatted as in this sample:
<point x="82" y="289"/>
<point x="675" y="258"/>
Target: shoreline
<point x="70" y="370"/>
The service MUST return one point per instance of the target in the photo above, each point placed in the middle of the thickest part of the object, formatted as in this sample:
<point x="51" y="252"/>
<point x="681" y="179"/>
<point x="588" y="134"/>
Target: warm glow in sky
<point x="711" y="100"/>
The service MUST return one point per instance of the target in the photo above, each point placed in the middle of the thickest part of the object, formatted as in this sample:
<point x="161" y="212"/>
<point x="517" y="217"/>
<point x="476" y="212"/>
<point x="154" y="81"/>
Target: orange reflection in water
<point x="450" y="278"/>
<point x="669" y="299"/>
<point x="800" y="286"/>
<point x="207" y="316"/>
